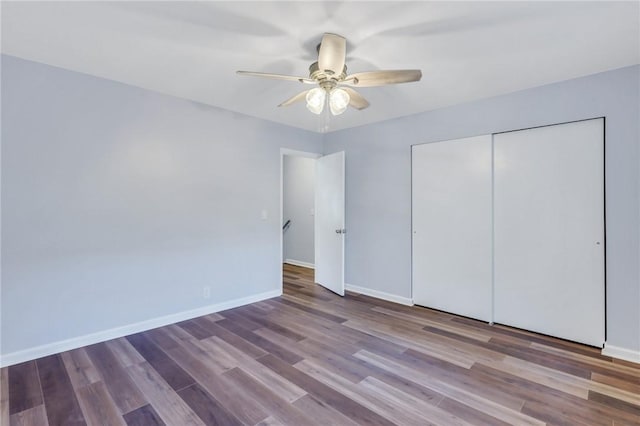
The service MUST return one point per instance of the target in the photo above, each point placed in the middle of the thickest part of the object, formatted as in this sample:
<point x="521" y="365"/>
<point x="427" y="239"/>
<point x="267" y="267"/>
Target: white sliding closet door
<point x="549" y="230"/>
<point x="451" y="214"/>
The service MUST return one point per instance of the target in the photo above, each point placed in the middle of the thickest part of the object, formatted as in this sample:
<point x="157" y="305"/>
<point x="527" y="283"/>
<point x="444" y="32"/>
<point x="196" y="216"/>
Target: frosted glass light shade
<point x="315" y="100"/>
<point x="338" y="101"/>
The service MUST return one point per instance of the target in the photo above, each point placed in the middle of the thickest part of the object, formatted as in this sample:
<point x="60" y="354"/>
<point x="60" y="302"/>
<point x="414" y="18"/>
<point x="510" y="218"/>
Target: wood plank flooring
<point x="313" y="358"/>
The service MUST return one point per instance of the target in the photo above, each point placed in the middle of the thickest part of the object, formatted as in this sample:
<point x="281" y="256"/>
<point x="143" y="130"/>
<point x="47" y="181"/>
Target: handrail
<point x="286" y="225"/>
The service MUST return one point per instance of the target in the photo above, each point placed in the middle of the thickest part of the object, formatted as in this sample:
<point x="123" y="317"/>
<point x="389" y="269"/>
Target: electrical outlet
<point x="206" y="292"/>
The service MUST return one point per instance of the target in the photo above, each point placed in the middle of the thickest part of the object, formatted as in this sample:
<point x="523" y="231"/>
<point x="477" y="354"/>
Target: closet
<point x="509" y="228"/>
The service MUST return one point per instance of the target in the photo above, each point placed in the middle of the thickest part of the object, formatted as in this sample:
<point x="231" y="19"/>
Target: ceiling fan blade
<point x="332" y="53"/>
<point x="381" y="78"/>
<point x="277" y="76"/>
<point x="295" y="98"/>
<point x="357" y="101"/>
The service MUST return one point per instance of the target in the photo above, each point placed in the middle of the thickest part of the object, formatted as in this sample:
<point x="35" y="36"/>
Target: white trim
<point x="621" y="353"/>
<point x="300" y="263"/>
<point x="295" y="153"/>
<point x="114" y="333"/>
<point x="493" y="230"/>
<point x="379" y="294"/>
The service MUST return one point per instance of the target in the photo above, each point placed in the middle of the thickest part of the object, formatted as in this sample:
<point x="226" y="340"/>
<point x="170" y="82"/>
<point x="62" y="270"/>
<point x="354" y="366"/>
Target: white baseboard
<point x="300" y="263"/>
<point x="621" y="353"/>
<point x="114" y="333"/>
<point x="379" y="294"/>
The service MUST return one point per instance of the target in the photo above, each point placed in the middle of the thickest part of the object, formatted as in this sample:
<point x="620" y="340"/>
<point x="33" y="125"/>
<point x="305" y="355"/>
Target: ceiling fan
<point x="329" y="73"/>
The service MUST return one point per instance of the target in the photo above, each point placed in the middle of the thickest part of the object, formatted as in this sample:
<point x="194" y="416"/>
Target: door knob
<point x="341" y="231"/>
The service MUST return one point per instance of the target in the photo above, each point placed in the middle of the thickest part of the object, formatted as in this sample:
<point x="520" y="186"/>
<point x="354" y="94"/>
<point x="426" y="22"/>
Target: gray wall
<point x="378" y="181"/>
<point x="119" y="204"/>
<point x="298" y="206"/>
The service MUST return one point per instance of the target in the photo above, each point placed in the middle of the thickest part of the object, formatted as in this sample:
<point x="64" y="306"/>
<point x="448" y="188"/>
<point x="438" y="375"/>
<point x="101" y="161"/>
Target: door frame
<point x="292" y="153"/>
<point x="604" y="213"/>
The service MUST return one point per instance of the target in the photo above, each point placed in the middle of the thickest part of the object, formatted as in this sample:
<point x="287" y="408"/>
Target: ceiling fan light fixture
<point x="338" y="101"/>
<point x="336" y="88"/>
<point x="316" y="99"/>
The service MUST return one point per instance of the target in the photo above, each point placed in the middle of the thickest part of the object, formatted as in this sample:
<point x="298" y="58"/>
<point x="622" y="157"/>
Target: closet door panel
<point x="451" y="215"/>
<point x="549" y="230"/>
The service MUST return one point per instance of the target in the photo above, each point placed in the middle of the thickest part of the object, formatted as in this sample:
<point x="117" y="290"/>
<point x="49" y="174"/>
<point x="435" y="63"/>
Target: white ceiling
<point x="466" y="50"/>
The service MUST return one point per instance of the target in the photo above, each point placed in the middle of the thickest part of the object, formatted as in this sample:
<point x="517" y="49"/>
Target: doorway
<point x="297" y="209"/>
<point x="312" y="214"/>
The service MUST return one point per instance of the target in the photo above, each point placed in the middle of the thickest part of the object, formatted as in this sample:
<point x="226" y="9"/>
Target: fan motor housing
<point x="326" y="77"/>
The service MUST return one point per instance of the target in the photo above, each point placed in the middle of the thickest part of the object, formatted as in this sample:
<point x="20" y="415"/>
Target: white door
<point x="549" y="230"/>
<point x="451" y="216"/>
<point x="329" y="223"/>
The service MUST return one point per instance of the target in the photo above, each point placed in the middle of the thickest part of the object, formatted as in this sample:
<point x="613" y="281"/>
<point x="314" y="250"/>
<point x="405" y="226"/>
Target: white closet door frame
<point x="451" y="221"/>
<point x="549" y="230"/>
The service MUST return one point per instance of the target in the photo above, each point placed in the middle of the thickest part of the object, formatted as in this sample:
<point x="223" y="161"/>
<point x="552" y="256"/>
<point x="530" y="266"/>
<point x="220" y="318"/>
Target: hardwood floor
<point x="313" y="358"/>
